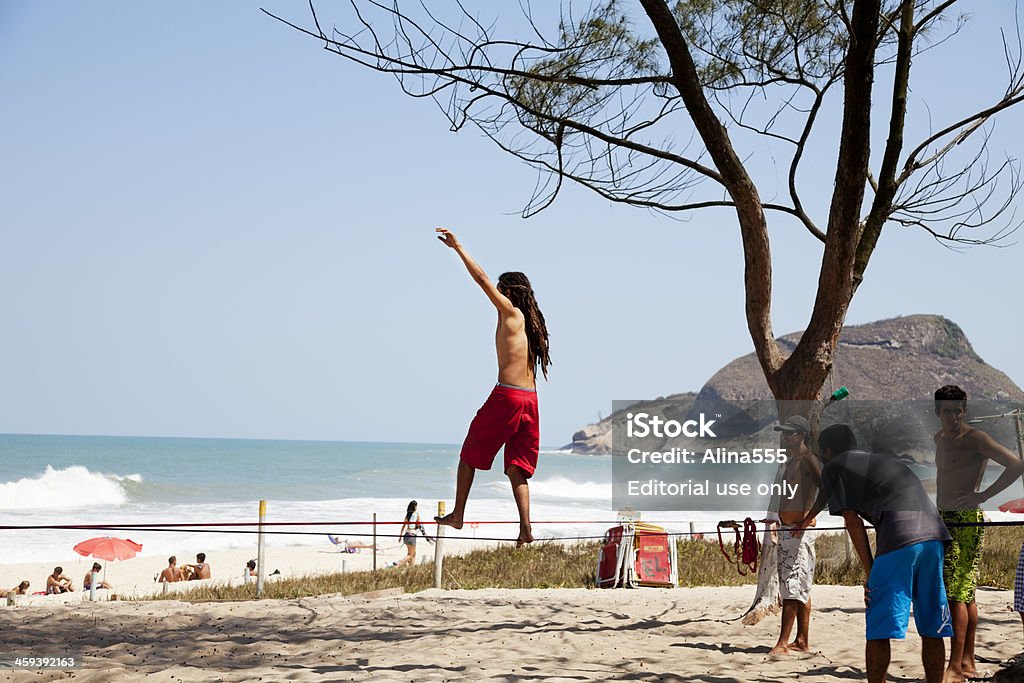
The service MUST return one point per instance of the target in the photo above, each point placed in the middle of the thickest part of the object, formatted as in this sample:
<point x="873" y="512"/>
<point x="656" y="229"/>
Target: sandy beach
<point x="135" y="577"/>
<point x="685" y="634"/>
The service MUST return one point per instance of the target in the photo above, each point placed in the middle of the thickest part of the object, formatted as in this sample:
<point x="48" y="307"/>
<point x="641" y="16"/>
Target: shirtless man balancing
<point x="961" y="454"/>
<point x="509" y="416"/>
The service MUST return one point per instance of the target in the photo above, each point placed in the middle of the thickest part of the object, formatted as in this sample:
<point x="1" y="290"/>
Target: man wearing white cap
<point x="795" y="546"/>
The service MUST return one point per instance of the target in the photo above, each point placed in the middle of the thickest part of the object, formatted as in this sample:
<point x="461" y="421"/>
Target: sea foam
<point x="71" y="487"/>
<point x="559" y="487"/>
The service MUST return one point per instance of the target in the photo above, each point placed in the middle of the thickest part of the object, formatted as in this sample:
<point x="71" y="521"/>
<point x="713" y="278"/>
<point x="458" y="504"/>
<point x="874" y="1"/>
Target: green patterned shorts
<point x="960" y="568"/>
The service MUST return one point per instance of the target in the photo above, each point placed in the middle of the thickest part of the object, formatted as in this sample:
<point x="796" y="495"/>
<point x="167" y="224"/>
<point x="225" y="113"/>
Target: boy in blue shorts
<point x="910" y="538"/>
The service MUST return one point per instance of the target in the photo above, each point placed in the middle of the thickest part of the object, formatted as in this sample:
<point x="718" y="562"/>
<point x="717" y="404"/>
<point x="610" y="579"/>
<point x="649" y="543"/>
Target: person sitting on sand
<point x="20" y="589"/>
<point x="199" y="570"/>
<point x="87" y="581"/>
<point x="171" y="573"/>
<point x="58" y="583"/>
<point x="346" y="546"/>
<point x="250" y="566"/>
<point x="509" y="417"/>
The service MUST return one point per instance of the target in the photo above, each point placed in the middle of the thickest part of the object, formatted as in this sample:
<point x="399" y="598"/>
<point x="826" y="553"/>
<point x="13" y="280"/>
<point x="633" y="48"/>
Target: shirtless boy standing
<point x="961" y="454"/>
<point x="509" y="416"/>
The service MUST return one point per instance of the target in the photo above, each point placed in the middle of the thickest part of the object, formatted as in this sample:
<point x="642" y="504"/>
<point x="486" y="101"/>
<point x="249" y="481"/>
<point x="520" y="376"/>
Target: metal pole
<point x="92" y="587"/>
<point x="374" y="541"/>
<point x="1018" y="424"/>
<point x="438" y="545"/>
<point x="260" y="567"/>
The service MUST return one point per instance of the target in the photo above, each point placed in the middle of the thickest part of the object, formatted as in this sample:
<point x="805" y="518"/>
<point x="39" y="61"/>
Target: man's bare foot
<point x="450" y="520"/>
<point x="969" y="668"/>
<point x="525" y="535"/>
<point x="953" y="677"/>
<point x="779" y="649"/>
<point x="798" y="646"/>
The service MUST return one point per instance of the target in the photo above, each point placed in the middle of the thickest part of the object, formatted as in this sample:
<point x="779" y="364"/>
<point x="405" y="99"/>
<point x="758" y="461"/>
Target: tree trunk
<point x="802" y="375"/>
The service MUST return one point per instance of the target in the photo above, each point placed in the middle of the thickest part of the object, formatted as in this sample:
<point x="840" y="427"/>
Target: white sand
<point x="135" y="577"/>
<point x="523" y="635"/>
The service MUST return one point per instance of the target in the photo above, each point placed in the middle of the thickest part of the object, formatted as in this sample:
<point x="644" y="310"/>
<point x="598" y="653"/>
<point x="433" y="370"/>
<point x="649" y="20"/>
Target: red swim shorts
<point x="508" y="417"/>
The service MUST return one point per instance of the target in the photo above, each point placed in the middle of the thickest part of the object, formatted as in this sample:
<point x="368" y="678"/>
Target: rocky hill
<point x="897" y="359"/>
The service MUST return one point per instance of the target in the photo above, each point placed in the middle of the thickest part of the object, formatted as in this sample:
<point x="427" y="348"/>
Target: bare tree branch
<point x="645" y="110"/>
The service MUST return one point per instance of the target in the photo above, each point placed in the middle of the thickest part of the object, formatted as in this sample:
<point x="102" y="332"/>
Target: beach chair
<point x="612" y="567"/>
<point x="637" y="554"/>
<point x="656" y="561"/>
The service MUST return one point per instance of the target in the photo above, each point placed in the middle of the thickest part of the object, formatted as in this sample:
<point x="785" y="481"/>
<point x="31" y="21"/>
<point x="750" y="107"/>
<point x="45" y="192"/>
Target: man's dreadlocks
<point x="517" y="288"/>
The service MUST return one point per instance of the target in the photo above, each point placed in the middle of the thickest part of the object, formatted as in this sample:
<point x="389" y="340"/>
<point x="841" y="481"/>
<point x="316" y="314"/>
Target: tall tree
<point x="600" y="100"/>
<point x="603" y="97"/>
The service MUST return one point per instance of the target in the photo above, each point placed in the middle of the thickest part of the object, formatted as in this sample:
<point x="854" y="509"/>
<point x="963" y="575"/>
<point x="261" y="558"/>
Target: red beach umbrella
<point x="1013" y="506"/>
<point x="109" y="548"/>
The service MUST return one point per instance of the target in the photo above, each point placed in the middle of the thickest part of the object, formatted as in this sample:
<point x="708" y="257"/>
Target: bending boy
<point x="509" y="416"/>
<point x="909" y="535"/>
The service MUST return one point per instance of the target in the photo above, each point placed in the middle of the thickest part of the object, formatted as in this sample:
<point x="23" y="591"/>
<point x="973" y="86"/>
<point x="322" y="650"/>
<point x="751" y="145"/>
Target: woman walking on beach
<point x="509" y="416"/>
<point x="407" y="534"/>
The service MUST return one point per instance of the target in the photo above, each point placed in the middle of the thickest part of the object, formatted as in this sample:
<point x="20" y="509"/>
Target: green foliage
<point x="736" y="41"/>
<point x="602" y="46"/>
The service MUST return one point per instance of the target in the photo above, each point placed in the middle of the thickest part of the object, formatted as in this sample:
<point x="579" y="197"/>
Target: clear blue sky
<point x="211" y="227"/>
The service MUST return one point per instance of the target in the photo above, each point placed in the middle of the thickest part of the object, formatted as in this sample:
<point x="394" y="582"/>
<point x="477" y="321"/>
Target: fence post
<point x="438" y="546"/>
<point x="374" y="541"/>
<point x="261" y="568"/>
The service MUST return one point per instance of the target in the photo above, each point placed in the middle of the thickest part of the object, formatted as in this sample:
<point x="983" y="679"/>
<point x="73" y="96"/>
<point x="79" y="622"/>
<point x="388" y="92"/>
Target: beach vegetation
<point x="558" y="565"/>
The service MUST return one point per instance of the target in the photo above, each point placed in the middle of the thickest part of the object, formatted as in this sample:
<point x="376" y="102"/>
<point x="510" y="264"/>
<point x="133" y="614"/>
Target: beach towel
<point x="768" y="596"/>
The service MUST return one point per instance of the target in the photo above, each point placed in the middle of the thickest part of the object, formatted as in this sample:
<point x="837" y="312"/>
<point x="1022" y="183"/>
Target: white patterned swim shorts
<point x="796" y="563"/>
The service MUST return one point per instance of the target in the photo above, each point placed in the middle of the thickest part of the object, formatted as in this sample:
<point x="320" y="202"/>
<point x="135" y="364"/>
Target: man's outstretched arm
<point x="500" y="301"/>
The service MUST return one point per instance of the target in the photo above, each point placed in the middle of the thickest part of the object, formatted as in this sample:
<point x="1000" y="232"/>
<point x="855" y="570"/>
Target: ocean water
<point x="60" y="480"/>
<point x="48" y="480"/>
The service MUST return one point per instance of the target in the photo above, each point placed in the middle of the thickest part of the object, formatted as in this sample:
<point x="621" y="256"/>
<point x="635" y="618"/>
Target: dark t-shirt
<point x="886" y="493"/>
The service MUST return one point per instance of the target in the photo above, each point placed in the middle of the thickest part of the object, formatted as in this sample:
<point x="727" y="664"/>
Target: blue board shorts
<point x="909" y="576"/>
